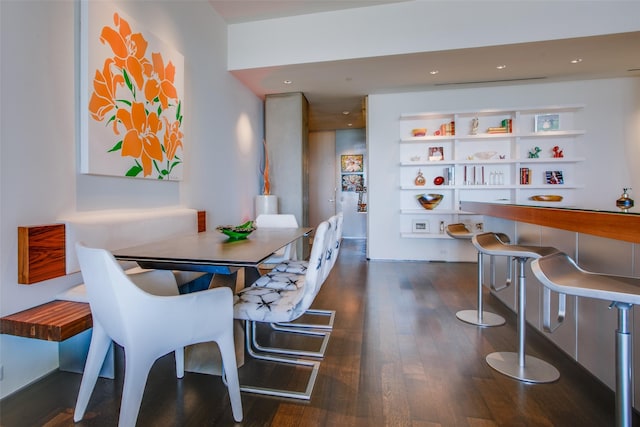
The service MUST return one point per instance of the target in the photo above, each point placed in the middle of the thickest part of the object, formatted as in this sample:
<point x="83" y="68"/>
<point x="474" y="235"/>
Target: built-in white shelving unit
<point x="485" y="166"/>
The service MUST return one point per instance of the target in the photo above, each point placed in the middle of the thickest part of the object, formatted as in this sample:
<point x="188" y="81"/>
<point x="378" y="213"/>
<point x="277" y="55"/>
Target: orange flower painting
<point x="132" y="110"/>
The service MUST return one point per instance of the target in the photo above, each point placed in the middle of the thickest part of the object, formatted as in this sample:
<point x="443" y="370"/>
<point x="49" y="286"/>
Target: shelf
<point x="550" y="134"/>
<point x="429" y="138"/>
<point x="425" y="235"/>
<point x="468" y="151"/>
<point x="427" y="187"/>
<point x="553" y="160"/>
<point x="418" y="211"/>
<point x="427" y="163"/>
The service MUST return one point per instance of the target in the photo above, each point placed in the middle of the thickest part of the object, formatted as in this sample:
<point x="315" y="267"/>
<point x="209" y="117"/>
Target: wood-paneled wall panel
<point x="41" y="253"/>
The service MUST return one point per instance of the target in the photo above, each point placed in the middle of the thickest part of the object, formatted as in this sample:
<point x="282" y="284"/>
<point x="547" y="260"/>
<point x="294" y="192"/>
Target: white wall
<point x="39" y="146"/>
<point x="421" y="26"/>
<point x="611" y="119"/>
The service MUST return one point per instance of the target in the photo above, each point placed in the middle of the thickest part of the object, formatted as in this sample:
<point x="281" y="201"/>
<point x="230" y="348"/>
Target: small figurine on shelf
<point x="474" y="126"/>
<point x="534" y="153"/>
<point x="557" y="152"/>
<point x="419" y="179"/>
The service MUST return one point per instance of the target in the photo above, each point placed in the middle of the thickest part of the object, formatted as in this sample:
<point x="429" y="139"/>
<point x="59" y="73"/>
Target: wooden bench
<point x="53" y="321"/>
<point x="48" y="251"/>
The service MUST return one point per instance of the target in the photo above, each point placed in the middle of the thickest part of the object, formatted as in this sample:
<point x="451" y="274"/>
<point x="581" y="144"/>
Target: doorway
<point x="326" y="195"/>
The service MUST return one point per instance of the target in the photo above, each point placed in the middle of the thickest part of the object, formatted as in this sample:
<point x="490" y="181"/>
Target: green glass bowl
<point x="237" y="232"/>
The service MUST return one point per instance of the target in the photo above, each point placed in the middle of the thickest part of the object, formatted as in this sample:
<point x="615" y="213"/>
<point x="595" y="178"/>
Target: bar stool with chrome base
<point x="480" y="317"/>
<point x="517" y="365"/>
<point x="559" y="273"/>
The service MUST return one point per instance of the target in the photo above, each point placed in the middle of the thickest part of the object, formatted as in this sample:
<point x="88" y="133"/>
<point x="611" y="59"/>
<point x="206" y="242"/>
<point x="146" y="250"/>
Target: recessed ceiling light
<point x="349" y="124"/>
<point x="576" y="61"/>
<point x="346" y="113"/>
<point x="434" y="72"/>
<point x="287" y="82"/>
<point x="501" y="67"/>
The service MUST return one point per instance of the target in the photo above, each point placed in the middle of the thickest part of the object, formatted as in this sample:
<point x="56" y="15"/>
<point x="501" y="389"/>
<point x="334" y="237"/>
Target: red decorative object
<point x="557" y="152"/>
<point x="438" y="180"/>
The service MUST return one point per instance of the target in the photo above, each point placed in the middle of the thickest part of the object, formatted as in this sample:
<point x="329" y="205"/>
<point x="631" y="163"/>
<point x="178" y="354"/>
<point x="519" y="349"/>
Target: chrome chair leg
<point x="292" y="394"/>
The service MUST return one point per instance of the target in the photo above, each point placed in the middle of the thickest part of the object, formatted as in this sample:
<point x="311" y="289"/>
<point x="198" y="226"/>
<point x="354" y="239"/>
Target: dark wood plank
<point x="202" y="221"/>
<point x="53" y="321"/>
<point x="41" y="253"/>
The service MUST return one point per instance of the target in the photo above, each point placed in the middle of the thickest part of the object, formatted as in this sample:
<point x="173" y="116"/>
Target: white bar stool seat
<point x="479" y="317"/>
<point x="517" y="365"/>
<point x="559" y="273"/>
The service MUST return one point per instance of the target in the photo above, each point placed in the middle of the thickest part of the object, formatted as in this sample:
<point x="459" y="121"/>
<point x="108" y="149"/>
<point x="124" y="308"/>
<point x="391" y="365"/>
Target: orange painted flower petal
<point x="117" y="43"/>
<point x="131" y="145"/>
<point x="135" y="70"/>
<point x="147" y="166"/>
<point x="141" y="45"/>
<point x="169" y="89"/>
<point x="158" y="64"/>
<point x="124" y="116"/>
<point x="170" y="72"/>
<point x="138" y="117"/>
<point x="151" y="90"/>
<point x="152" y="146"/>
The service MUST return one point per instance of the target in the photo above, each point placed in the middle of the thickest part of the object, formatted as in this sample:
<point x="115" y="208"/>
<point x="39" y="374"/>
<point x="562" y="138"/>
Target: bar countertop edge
<point x="612" y="225"/>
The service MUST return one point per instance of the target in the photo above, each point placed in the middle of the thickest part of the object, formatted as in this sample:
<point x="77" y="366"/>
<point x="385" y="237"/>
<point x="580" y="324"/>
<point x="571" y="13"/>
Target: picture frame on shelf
<point x="546" y="122"/>
<point x="554" y="177"/>
<point x="420" y="226"/>
<point x="436" y="154"/>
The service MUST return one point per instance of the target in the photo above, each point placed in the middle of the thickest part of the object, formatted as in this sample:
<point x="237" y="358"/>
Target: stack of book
<point x="525" y="176"/>
<point x="447" y="129"/>
<point x="505" y="127"/>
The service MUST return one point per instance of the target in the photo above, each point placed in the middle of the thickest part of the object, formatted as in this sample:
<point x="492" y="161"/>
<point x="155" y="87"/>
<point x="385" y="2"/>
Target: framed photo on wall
<point x="351" y="163"/>
<point x="352" y="182"/>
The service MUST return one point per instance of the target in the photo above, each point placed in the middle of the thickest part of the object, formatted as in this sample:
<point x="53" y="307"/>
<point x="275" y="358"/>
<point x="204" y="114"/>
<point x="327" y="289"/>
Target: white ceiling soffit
<point x="237" y="11"/>
<point x="335" y="87"/>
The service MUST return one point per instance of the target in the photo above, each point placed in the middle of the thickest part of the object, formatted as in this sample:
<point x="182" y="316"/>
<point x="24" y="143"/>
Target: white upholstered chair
<point x="279" y="221"/>
<point x="299" y="267"/>
<point x="147" y="327"/>
<point x="283" y="297"/>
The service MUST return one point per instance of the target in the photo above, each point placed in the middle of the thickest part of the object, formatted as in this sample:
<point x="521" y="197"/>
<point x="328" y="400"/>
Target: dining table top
<point x="211" y="251"/>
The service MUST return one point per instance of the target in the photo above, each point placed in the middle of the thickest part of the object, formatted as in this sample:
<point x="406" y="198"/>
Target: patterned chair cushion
<point x="267" y="305"/>
<point x="290" y="266"/>
<point x="280" y="280"/>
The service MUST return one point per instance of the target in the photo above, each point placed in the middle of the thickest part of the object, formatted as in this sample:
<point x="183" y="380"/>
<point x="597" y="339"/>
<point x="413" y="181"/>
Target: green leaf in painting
<point x="127" y="80"/>
<point x="116" y="147"/>
<point x="134" y="171"/>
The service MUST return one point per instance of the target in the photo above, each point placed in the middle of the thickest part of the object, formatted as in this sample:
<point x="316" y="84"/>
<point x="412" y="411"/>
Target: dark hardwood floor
<point x="397" y="357"/>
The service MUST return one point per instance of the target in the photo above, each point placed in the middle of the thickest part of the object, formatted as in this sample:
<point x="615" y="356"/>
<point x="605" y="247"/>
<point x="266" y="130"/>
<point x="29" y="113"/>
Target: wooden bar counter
<point x="623" y="226"/>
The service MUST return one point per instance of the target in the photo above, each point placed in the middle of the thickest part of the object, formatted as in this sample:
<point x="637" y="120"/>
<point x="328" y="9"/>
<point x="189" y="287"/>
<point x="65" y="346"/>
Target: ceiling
<point x="336" y="87"/>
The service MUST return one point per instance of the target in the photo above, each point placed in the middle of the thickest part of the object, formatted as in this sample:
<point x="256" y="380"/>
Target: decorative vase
<point x="419" y="179"/>
<point x="625" y="202"/>
<point x="266" y="204"/>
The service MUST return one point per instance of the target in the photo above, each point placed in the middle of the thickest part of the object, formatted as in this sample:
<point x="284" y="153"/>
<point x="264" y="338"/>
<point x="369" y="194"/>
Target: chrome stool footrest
<point x="534" y="370"/>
